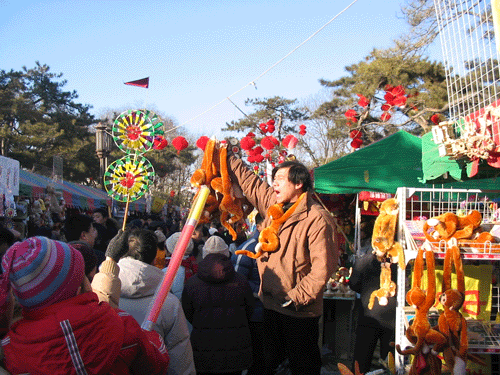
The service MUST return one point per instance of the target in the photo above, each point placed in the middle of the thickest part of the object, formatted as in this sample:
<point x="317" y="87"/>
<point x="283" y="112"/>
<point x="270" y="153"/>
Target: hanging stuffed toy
<point x="384" y="231"/>
<point x="269" y="237"/>
<point x="425" y="339"/>
<point x="387" y="287"/>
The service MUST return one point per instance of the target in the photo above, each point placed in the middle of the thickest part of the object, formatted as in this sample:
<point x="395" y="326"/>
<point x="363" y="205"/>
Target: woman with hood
<point x="219" y="302"/>
<point x="139" y="280"/>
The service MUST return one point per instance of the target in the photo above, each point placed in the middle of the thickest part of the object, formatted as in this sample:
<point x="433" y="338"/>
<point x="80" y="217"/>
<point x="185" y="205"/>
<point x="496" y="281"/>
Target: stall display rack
<point x="417" y="205"/>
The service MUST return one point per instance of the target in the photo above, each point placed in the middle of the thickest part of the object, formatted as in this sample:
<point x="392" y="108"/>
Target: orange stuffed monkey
<point x="425" y="339"/>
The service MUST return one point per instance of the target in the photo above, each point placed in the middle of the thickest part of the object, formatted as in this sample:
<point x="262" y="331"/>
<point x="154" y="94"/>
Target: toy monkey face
<point x="452" y="299"/>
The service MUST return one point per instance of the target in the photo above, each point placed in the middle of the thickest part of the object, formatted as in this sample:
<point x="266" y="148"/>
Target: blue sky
<point x="196" y="53"/>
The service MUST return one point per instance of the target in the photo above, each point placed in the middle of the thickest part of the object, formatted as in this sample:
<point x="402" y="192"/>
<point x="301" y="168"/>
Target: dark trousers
<point x="257" y="332"/>
<point x="292" y="338"/>
<point x="366" y="342"/>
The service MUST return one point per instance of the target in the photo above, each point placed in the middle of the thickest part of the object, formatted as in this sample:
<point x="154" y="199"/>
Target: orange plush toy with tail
<point x="269" y="237"/>
<point x="387" y="287"/>
<point x="384" y="231"/>
<point x="451" y="323"/>
<point x="425" y="339"/>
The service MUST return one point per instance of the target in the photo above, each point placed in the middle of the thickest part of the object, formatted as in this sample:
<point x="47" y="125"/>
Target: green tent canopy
<point x="383" y="166"/>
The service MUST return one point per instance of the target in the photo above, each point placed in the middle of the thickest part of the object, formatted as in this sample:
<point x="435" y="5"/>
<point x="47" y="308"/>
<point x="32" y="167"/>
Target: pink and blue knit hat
<point x="41" y="272"/>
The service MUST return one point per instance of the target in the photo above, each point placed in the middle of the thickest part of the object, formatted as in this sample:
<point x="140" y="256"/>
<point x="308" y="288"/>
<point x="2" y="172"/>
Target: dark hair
<point x="258" y="219"/>
<point x="297" y="173"/>
<point x="6" y="237"/>
<point x="75" y="225"/>
<point x="142" y="245"/>
<point x="101" y="210"/>
<point x="89" y="257"/>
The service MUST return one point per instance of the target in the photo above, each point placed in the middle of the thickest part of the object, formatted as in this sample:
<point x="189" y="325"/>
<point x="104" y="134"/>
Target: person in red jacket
<point x="64" y="328"/>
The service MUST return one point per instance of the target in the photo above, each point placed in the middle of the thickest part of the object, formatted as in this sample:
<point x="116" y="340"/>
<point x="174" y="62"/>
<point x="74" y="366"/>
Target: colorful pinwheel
<point x="133" y="131"/>
<point x="128" y="178"/>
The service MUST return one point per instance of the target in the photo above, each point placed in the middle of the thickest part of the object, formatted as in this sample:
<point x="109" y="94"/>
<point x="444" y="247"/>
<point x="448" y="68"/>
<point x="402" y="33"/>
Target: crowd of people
<point x="73" y="302"/>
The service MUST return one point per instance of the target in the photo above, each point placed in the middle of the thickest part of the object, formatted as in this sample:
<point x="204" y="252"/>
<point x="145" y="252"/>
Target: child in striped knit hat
<point x="64" y="328"/>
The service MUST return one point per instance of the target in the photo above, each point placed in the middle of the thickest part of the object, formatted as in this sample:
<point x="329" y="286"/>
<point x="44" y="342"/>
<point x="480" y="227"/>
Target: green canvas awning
<point x="383" y="166"/>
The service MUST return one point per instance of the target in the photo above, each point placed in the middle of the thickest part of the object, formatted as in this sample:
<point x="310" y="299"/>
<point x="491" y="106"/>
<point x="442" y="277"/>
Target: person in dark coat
<point x="218" y="302"/>
<point x="379" y="322"/>
<point x="248" y="268"/>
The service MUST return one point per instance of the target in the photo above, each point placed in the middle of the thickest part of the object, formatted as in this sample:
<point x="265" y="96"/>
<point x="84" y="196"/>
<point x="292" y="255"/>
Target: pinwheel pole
<point x="175" y="261"/>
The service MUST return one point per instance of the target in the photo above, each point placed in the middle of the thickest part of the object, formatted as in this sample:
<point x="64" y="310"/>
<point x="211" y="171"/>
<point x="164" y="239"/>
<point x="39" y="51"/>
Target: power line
<point x="252" y="83"/>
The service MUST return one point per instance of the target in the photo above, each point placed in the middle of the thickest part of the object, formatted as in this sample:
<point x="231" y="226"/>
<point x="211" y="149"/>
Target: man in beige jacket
<point x="294" y="276"/>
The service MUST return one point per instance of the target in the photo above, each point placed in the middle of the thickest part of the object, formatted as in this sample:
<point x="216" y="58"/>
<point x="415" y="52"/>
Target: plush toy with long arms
<point x="269" y="237"/>
<point x="425" y="339"/>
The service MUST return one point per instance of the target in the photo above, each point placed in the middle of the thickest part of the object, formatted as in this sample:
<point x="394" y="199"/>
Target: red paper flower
<point x="258" y="150"/>
<point x="386" y="116"/>
<point x="251" y="159"/>
<point x="436" y="118"/>
<point x="355" y="134"/>
<point x="302" y="132"/>
<point x="159" y="143"/>
<point x="385" y="107"/>
<point x="263" y="128"/>
<point x="356" y="143"/>
<point x="351" y="115"/>
<point x="363" y="102"/>
<point x="202" y="142"/>
<point x="255" y="167"/>
<point x="251" y="135"/>
<point x="290" y="141"/>
<point x="172" y="193"/>
<point x="247" y="143"/>
<point x="270" y="128"/>
<point x="271" y="122"/>
<point x="179" y="143"/>
<point x="258" y="158"/>
<point x="302" y="127"/>
<point x="400" y="101"/>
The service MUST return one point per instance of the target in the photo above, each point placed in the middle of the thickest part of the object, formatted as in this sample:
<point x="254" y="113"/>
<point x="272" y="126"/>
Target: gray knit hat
<point x="172" y="242"/>
<point x="215" y="245"/>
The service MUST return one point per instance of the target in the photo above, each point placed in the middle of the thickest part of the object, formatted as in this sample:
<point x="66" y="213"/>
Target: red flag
<point x="140" y="82"/>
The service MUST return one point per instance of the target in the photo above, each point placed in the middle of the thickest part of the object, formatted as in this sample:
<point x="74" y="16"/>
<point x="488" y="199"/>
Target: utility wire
<point x="266" y="71"/>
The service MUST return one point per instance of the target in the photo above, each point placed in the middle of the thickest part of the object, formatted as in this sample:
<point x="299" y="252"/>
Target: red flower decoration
<point x="351" y="115"/>
<point x="270" y="128"/>
<point x="179" y="143"/>
<point x="386" y="116"/>
<point x="159" y="143"/>
<point x="267" y="143"/>
<point x="355" y="134"/>
<point x="263" y="128"/>
<point x="172" y="193"/>
<point x="258" y="158"/>
<point x="400" y="101"/>
<point x="258" y="150"/>
<point x="202" y="142"/>
<point x="255" y="167"/>
<point x="302" y="127"/>
<point x="356" y="143"/>
<point x="385" y="107"/>
<point x="436" y="118"/>
<point x="271" y="122"/>
<point x="363" y="102"/>
<point x="247" y="143"/>
<point x="251" y="135"/>
<point x="302" y="132"/>
<point x="290" y="141"/>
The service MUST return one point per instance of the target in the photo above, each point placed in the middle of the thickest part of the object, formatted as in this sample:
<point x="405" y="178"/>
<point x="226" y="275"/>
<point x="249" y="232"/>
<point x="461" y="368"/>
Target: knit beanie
<point x="172" y="242"/>
<point x="41" y="272"/>
<point x="160" y="237"/>
<point x="89" y="257"/>
<point x="215" y="245"/>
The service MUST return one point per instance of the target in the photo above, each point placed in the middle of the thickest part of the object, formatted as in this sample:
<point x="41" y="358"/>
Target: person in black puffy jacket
<point x="218" y="302"/>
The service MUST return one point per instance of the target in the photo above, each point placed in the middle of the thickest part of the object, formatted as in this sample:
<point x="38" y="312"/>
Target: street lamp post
<point x="102" y="149"/>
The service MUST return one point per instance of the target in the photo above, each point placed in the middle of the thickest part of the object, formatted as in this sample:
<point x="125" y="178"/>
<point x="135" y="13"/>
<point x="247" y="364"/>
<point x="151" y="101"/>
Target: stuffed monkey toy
<point x="420" y="332"/>
<point x="384" y="231"/>
<point x="387" y="287"/>
<point x="269" y="237"/>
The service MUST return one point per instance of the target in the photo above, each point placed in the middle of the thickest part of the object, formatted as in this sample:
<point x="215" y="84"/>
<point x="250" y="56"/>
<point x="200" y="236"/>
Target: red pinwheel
<point x="290" y="141"/>
<point x="201" y="143"/>
<point x="179" y="144"/>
